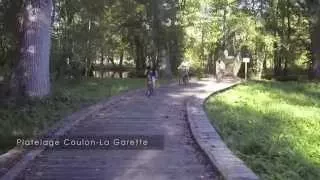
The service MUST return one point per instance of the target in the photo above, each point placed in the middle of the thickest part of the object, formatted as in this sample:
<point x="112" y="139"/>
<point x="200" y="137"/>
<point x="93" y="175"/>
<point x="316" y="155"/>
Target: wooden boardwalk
<point x="162" y="114"/>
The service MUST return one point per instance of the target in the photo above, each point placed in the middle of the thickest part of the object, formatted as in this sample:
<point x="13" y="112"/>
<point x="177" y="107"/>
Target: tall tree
<point x="31" y="75"/>
<point x="314" y="15"/>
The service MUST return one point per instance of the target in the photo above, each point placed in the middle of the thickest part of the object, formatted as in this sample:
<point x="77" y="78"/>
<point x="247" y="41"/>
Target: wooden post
<point x="246" y="70"/>
<point x="246" y="61"/>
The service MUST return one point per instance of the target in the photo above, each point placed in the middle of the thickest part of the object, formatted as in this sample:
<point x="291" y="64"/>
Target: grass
<point x="33" y="117"/>
<point x="274" y="127"/>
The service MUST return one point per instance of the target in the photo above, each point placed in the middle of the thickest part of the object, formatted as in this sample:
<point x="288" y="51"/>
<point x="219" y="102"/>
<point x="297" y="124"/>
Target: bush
<point x="200" y="74"/>
<point x="197" y="71"/>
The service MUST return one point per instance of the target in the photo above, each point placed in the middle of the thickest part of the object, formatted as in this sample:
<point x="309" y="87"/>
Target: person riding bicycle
<point x="184" y="72"/>
<point x="185" y="75"/>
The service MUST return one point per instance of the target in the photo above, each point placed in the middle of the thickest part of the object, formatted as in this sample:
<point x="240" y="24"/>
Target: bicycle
<point x="149" y="89"/>
<point x="185" y="79"/>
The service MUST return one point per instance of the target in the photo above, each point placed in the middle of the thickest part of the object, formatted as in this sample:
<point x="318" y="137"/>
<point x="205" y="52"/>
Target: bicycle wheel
<point x="184" y="80"/>
<point x="149" y="90"/>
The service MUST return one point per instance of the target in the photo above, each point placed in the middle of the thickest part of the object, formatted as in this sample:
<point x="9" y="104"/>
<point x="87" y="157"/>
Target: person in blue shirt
<point x="154" y="76"/>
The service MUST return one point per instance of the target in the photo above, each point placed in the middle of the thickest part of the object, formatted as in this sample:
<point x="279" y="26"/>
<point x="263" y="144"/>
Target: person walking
<point x="220" y="70"/>
<point x="154" y="77"/>
<point x="149" y="81"/>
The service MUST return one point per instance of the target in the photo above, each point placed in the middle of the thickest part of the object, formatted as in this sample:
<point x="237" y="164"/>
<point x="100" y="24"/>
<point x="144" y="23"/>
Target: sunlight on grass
<point x="273" y="127"/>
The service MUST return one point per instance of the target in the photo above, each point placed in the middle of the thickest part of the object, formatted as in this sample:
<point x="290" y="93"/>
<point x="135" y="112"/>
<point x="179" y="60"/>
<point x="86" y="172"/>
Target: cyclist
<point x="184" y="75"/>
<point x="184" y="72"/>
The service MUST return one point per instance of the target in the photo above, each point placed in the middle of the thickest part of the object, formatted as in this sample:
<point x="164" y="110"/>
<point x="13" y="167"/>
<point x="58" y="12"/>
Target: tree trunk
<point x="314" y="28"/>
<point x="88" y="49"/>
<point x="137" y="58"/>
<point x="224" y="28"/>
<point x="166" y="65"/>
<point x="202" y="48"/>
<point x="315" y="51"/>
<point x="102" y="57"/>
<point x="210" y="60"/>
<point x="275" y="59"/>
<point x="31" y="76"/>
<point x="264" y="68"/>
<point x="110" y="58"/>
<point x="121" y="59"/>
<point x="288" y="50"/>
<point x="140" y="61"/>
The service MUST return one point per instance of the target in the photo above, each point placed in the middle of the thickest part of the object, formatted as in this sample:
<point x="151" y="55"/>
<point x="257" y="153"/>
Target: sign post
<point x="246" y="61"/>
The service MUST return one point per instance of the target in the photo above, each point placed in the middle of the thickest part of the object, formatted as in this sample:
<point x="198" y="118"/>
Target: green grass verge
<point x="36" y="116"/>
<point x="274" y="127"/>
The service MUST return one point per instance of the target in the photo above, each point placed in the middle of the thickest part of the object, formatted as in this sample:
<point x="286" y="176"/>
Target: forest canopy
<point x="281" y="37"/>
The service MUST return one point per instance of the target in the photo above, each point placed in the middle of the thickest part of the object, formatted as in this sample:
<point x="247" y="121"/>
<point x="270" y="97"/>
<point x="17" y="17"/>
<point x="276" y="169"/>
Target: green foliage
<point x="114" y="33"/>
<point x="8" y="39"/>
<point x="272" y="33"/>
<point x="272" y="126"/>
<point x="275" y="34"/>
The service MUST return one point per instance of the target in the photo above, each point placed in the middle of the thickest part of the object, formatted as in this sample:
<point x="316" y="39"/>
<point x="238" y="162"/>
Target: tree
<point x="314" y="14"/>
<point x="8" y="39"/>
<point x="31" y="76"/>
